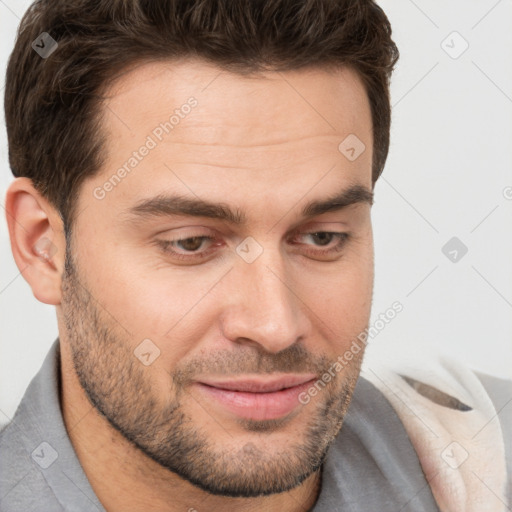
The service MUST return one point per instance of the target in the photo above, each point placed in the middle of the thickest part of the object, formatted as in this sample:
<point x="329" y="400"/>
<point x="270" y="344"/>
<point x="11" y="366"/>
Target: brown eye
<point x="191" y="244"/>
<point x="323" y="237"/>
<point x="323" y="244"/>
<point x="191" y="248"/>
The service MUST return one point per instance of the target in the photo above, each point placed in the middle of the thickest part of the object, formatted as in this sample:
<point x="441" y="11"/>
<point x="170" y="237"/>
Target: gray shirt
<point x="371" y="466"/>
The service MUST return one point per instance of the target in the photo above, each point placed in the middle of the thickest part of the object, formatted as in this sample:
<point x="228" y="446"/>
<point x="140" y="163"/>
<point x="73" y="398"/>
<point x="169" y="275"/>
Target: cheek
<point x="169" y="307"/>
<point x="341" y="301"/>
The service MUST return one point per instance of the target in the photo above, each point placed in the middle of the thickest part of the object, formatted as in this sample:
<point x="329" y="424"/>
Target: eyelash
<point x="165" y="244"/>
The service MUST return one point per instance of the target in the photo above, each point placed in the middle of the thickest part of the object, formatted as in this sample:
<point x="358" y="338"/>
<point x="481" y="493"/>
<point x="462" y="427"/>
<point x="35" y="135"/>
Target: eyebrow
<point x="177" y="205"/>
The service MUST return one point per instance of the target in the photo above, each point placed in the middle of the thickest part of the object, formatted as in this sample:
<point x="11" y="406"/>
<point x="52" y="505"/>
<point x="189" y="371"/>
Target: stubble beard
<point x="119" y="387"/>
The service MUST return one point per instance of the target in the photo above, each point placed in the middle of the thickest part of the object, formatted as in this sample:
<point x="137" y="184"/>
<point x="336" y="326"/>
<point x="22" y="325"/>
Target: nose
<point x="264" y="306"/>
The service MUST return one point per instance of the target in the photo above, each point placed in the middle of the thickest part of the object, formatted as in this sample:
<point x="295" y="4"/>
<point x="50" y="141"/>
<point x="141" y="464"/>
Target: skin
<point x="264" y="145"/>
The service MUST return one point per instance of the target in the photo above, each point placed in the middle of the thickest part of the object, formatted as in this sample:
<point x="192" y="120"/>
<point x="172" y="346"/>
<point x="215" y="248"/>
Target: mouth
<point x="257" y="398"/>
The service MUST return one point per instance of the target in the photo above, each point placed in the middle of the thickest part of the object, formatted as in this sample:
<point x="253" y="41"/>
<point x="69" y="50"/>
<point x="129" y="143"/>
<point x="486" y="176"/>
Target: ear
<point x="37" y="239"/>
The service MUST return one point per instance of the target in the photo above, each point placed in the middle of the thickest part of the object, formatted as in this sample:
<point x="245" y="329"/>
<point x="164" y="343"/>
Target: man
<point x="193" y="194"/>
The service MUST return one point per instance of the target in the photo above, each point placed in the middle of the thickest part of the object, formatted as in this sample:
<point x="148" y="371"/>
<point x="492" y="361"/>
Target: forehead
<point x="276" y="131"/>
<point x="263" y="106"/>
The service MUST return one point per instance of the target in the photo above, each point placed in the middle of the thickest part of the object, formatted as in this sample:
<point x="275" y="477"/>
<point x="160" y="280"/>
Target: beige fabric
<point x="461" y="451"/>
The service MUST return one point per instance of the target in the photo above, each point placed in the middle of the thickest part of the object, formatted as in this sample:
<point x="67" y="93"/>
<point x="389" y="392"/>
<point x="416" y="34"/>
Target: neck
<point x="124" y="478"/>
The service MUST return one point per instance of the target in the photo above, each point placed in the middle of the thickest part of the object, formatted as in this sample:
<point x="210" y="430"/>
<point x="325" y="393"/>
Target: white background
<point x="447" y="175"/>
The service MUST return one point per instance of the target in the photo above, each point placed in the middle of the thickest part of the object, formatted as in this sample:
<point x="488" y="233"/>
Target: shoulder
<point x="23" y="487"/>
<point x="459" y="424"/>
<point x="39" y="469"/>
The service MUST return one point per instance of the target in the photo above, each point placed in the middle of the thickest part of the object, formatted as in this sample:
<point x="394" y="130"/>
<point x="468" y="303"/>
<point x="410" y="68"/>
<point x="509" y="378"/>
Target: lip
<point x="257" y="398"/>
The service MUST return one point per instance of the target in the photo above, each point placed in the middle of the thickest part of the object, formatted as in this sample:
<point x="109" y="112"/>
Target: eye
<point x="332" y="242"/>
<point x="191" y="244"/>
<point x="189" y="248"/>
<point x="323" y="237"/>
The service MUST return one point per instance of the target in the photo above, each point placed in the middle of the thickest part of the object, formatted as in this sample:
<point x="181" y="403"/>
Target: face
<point x="213" y="282"/>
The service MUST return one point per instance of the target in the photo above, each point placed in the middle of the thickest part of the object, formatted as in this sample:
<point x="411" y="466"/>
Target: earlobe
<point x="37" y="239"/>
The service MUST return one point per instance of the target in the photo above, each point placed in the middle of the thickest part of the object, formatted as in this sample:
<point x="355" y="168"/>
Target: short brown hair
<point x="52" y="105"/>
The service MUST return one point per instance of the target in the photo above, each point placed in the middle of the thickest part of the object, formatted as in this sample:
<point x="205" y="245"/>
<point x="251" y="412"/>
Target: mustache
<point x="293" y="359"/>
